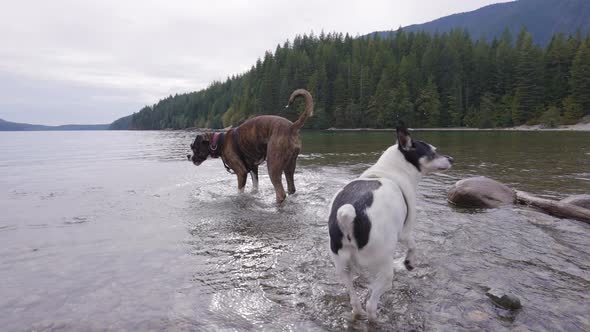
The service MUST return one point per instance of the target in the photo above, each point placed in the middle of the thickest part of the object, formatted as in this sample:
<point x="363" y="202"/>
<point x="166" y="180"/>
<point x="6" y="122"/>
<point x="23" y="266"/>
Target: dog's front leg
<point x="242" y="177"/>
<point x="254" y="175"/>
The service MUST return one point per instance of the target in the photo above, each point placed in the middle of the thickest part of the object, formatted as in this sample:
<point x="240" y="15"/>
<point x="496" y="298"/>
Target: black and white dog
<point x="370" y="214"/>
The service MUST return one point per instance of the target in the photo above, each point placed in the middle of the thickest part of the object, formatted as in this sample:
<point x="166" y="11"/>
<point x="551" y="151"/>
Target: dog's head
<point x="421" y="154"/>
<point x="200" y="148"/>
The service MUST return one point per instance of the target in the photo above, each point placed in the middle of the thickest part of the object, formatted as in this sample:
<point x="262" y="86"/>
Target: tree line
<point x="439" y="80"/>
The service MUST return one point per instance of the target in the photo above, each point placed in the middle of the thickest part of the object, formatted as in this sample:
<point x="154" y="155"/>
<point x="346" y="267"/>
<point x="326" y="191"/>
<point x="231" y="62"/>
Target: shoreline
<point x="576" y="127"/>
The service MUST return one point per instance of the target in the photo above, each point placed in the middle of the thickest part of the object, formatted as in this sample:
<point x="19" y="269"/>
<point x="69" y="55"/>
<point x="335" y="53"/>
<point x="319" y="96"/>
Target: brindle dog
<point x="243" y="148"/>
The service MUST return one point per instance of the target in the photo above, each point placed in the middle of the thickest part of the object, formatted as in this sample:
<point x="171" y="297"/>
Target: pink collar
<point x="216" y="145"/>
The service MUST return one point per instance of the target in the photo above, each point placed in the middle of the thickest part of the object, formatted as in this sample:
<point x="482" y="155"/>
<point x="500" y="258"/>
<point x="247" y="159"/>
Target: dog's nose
<point x="451" y="160"/>
<point x="188" y="156"/>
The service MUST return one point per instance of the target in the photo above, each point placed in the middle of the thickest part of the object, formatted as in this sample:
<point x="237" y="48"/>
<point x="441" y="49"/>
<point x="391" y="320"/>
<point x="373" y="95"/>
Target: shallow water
<point x="117" y="231"/>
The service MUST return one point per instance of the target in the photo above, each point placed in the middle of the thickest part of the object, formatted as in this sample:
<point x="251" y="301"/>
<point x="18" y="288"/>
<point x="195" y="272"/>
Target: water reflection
<point x="131" y="236"/>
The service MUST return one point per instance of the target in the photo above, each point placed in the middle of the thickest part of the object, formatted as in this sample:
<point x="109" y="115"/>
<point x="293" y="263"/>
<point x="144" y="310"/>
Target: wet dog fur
<point x="267" y="137"/>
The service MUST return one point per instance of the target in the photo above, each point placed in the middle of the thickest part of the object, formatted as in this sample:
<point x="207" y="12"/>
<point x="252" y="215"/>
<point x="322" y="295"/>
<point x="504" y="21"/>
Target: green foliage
<point x="529" y="79"/>
<point x="550" y="118"/>
<point x="484" y="116"/>
<point x="580" y="77"/>
<point x="572" y="112"/>
<point x="425" y="80"/>
<point x="428" y="105"/>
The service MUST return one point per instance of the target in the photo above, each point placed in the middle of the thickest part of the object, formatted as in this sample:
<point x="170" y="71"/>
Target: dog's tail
<point x="345" y="216"/>
<point x="308" y="107"/>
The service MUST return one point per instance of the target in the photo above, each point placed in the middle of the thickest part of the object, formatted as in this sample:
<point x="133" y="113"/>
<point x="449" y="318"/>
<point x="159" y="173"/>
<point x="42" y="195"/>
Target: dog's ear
<point x="202" y="138"/>
<point x="404" y="141"/>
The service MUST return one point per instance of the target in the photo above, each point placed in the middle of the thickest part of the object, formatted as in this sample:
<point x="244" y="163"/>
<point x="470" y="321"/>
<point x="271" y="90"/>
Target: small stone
<point x="505" y="301"/>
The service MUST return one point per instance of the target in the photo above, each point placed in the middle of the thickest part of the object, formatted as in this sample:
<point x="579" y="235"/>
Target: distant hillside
<point x="535" y="72"/>
<point x="122" y="123"/>
<point x="425" y="80"/>
<point x="542" y="18"/>
<point x="14" y="126"/>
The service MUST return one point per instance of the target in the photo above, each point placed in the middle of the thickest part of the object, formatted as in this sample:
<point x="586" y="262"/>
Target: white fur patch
<point x="438" y="164"/>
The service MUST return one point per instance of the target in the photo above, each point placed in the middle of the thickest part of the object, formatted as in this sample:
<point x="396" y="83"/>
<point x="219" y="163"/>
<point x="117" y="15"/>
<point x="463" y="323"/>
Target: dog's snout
<point x="451" y="160"/>
<point x="188" y="156"/>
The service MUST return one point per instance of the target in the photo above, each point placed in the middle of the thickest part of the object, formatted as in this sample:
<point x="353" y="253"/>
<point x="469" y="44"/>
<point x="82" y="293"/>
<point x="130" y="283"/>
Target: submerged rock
<point x="477" y="316"/>
<point x="505" y="301"/>
<point x="578" y="200"/>
<point x="481" y="192"/>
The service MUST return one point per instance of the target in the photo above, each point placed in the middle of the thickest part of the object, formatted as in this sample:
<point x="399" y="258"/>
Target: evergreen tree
<point x="428" y="106"/>
<point x="502" y="115"/>
<point x="558" y="60"/>
<point x="550" y="118"/>
<point x="580" y="77"/>
<point x="486" y="110"/>
<point x="400" y="107"/>
<point x="504" y="65"/>
<point x="572" y="112"/>
<point x="529" y="79"/>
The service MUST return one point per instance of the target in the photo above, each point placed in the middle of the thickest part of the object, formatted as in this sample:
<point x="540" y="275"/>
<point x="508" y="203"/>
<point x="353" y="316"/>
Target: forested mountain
<point x="122" y="123"/>
<point x="542" y="18"/>
<point x="15" y="126"/>
<point x="439" y="80"/>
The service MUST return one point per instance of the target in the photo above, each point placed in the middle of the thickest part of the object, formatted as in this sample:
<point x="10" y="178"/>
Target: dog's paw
<point x="408" y="265"/>
<point x="372" y="315"/>
<point x="358" y="313"/>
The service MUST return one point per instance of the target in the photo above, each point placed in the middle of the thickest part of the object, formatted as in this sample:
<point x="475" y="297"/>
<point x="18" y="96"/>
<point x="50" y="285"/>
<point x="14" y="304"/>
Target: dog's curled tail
<point x="308" y="107"/>
<point x="345" y="216"/>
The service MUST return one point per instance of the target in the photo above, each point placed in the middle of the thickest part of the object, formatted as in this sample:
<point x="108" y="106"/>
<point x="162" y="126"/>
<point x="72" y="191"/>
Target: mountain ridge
<point x="542" y="18"/>
<point x="17" y="126"/>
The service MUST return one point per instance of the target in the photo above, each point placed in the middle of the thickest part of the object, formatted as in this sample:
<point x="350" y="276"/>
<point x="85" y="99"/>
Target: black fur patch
<point x="408" y="265"/>
<point x="418" y="150"/>
<point x="359" y="193"/>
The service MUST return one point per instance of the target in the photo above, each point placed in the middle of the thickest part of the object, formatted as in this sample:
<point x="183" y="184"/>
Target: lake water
<point x="117" y="231"/>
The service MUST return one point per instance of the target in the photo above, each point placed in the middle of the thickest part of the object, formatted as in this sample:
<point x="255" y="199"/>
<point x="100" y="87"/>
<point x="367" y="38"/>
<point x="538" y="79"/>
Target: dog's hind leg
<point x="409" y="262"/>
<point x="242" y="178"/>
<point x="290" y="174"/>
<point x="276" y="164"/>
<point x="277" y="182"/>
<point x="345" y="274"/>
<point x="254" y="175"/>
<point x="382" y="283"/>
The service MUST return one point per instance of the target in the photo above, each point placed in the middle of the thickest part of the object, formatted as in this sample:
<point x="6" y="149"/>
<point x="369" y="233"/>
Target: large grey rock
<point x="578" y="200"/>
<point x="481" y="192"/>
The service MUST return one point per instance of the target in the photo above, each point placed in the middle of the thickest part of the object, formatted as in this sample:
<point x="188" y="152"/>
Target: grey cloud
<point x="66" y="61"/>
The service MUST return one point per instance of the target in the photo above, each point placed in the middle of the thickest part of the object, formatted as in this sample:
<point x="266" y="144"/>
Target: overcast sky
<point x="74" y="61"/>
